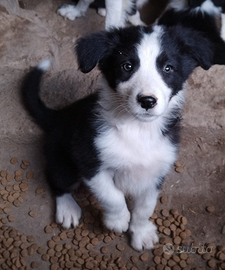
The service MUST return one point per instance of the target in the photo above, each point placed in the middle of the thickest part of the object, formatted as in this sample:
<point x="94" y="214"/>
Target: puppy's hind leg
<point x="68" y="212"/>
<point x="63" y="178"/>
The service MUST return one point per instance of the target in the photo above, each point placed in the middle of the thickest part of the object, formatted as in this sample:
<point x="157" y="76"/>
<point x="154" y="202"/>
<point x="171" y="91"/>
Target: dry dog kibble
<point x="183" y="235"/>
<point x="33" y="214"/>
<point x="166" y="223"/>
<point x="159" y="221"/>
<point x="22" y="166"/>
<point x="157" y="260"/>
<point x="179" y="169"/>
<point x="23" y="186"/>
<point x="11" y="218"/>
<point x="29" y="175"/>
<point x="210" y="209"/>
<point x="84" y="232"/>
<point x="35" y="265"/>
<point x="177" y="240"/>
<point x="107" y="239"/>
<point x="190" y="260"/>
<point x="9" y="177"/>
<point x="30" y="239"/>
<point x="212" y="263"/>
<point x="41" y="250"/>
<point x="63" y="235"/>
<point x="177" y="164"/>
<point x="48" y="229"/>
<point x="165" y="213"/>
<point x="144" y="257"/>
<point x="134" y="259"/>
<point x="173" y="227"/>
<point x="94" y="241"/>
<point x="206" y="256"/>
<point x="158" y="251"/>
<point x="176" y="258"/>
<point x="16" y="203"/>
<point x="120" y="247"/>
<point x="154" y="216"/>
<point x="45" y="257"/>
<point x="18" y="173"/>
<point x="167" y="231"/>
<point x="51" y="244"/>
<point x="183" y="256"/>
<point x="220" y="256"/>
<point x="89" y="265"/>
<point x="13" y="160"/>
<point x="182" y="263"/>
<point x="163" y="199"/>
<point x="171" y="263"/>
<point x="104" y="250"/>
<point x="184" y="220"/>
<point x="39" y="190"/>
<point x="58" y="247"/>
<point x="3" y="173"/>
<point x="26" y="162"/>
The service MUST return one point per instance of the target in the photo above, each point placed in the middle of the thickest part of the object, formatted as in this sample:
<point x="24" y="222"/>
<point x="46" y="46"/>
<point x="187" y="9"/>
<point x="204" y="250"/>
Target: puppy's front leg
<point x="111" y="199"/>
<point x="143" y="231"/>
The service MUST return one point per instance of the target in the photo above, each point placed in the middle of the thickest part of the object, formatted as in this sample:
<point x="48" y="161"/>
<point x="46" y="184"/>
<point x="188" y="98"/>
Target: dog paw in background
<point x="72" y="12"/>
<point x="117" y="13"/>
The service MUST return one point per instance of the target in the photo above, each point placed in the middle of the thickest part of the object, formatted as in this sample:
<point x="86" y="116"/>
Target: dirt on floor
<point x="31" y="31"/>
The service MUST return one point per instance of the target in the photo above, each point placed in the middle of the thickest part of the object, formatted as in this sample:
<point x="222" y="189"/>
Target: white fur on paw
<point x="118" y="222"/>
<point x="68" y="212"/>
<point x="70" y="12"/>
<point x="102" y="12"/>
<point x="143" y="236"/>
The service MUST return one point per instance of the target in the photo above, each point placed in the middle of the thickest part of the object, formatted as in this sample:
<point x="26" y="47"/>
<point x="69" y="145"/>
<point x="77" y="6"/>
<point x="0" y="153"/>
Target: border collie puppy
<point x="117" y="12"/>
<point x="122" y="139"/>
<point x="200" y="15"/>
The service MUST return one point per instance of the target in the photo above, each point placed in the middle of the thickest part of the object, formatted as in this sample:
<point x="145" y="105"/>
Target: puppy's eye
<point x="127" y="67"/>
<point x="168" y="68"/>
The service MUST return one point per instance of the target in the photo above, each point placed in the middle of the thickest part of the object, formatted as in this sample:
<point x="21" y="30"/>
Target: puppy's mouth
<point x="145" y="116"/>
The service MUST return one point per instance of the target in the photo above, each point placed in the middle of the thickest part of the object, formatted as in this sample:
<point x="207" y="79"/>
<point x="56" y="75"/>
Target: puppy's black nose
<point x="147" y="102"/>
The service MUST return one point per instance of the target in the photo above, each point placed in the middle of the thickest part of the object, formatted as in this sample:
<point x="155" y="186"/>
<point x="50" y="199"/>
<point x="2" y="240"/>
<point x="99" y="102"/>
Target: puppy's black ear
<point x="90" y="50"/>
<point x="195" y="44"/>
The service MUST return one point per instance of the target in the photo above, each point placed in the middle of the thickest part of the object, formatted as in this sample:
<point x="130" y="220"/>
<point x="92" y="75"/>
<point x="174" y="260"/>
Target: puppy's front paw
<point x="70" y="12"/>
<point x="68" y="212"/>
<point x="143" y="236"/>
<point x="118" y="222"/>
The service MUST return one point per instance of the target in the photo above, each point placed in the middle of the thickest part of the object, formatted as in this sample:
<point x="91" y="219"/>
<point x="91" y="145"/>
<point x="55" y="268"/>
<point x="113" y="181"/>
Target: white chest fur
<point x="137" y="152"/>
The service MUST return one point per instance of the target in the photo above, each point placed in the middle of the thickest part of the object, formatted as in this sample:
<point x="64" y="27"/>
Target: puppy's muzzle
<point x="147" y="102"/>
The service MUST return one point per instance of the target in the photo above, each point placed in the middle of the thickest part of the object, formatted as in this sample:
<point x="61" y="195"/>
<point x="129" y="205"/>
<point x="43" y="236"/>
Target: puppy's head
<point x="145" y="67"/>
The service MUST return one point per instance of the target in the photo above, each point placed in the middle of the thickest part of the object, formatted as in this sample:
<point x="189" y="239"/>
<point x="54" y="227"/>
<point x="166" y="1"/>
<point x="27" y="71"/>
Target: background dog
<point x="203" y="16"/>
<point x="122" y="139"/>
<point x="117" y="12"/>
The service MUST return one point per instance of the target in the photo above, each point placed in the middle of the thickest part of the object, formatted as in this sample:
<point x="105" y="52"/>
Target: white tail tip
<point x="44" y="65"/>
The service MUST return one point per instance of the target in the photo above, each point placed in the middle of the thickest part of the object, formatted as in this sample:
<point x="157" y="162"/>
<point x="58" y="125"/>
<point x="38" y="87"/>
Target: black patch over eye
<point x="127" y="67"/>
<point x="168" y="69"/>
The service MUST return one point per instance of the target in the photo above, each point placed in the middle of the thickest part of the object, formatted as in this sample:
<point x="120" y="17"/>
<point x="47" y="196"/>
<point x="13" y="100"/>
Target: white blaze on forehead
<point x="150" y="81"/>
<point x="149" y="49"/>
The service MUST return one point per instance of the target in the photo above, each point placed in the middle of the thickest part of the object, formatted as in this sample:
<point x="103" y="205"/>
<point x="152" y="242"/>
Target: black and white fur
<point x="117" y="12"/>
<point x="200" y="15"/>
<point x="122" y="139"/>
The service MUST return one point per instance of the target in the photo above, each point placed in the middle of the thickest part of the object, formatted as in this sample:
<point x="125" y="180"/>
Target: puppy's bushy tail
<point x="30" y="92"/>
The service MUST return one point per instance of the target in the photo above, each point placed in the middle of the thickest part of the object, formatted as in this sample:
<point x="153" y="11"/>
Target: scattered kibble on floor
<point x="90" y="245"/>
